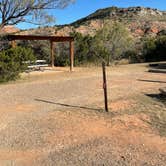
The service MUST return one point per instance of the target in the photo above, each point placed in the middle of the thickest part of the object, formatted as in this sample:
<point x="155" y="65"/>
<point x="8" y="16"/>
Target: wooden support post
<point x="105" y="87"/>
<point x="13" y="43"/>
<point x="52" y="52"/>
<point x="71" y="55"/>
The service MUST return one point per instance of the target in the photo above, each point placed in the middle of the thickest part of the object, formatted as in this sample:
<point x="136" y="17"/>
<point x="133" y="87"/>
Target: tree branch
<point x="15" y="11"/>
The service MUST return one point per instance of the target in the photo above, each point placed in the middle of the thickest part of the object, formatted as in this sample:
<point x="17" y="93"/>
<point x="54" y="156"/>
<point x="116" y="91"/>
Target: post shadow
<point x="68" y="105"/>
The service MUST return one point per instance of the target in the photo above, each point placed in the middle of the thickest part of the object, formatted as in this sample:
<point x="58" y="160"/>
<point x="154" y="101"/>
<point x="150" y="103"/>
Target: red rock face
<point x="139" y="32"/>
<point x="154" y="30"/>
<point x="142" y="28"/>
<point x="8" y="29"/>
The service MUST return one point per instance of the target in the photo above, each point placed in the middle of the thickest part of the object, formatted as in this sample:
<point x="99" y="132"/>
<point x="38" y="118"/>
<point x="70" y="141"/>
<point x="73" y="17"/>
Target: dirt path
<point x="58" y="119"/>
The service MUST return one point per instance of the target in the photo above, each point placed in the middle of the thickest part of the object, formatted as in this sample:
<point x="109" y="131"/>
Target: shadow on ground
<point x="68" y="105"/>
<point x="158" y="65"/>
<point x="155" y="81"/>
<point x="159" y="97"/>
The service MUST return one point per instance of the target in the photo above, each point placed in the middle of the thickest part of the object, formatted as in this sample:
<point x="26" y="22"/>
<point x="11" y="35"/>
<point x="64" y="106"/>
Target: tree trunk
<point x="108" y="60"/>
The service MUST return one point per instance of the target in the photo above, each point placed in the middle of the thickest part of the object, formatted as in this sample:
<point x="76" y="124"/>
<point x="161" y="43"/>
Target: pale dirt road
<point x="58" y="119"/>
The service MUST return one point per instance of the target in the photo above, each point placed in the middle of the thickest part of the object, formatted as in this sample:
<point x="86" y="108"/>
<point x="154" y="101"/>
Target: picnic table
<point x="37" y="65"/>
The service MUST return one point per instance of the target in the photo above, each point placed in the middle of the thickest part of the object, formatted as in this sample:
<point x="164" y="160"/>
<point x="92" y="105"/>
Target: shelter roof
<point x="35" y="37"/>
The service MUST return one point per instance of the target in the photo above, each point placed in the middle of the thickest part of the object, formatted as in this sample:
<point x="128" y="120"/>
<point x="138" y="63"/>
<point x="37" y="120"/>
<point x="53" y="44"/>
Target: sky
<point x="82" y="8"/>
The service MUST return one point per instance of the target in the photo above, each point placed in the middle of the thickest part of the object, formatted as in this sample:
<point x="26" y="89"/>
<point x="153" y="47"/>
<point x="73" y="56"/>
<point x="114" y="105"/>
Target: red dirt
<point x="64" y="127"/>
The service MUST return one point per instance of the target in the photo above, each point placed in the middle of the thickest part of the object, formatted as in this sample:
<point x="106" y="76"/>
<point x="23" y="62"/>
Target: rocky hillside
<point x="8" y="29"/>
<point x="139" y="20"/>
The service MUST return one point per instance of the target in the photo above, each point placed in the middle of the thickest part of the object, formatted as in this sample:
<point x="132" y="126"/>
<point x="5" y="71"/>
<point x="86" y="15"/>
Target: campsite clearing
<point x="57" y="118"/>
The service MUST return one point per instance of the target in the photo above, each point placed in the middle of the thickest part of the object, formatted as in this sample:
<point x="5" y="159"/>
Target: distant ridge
<point x="139" y="20"/>
<point x="125" y="13"/>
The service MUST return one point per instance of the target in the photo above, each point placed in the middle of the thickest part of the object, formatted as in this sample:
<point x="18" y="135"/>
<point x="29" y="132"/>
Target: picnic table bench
<point x="38" y="65"/>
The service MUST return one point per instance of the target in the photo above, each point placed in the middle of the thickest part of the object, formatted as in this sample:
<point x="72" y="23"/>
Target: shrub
<point x="155" y="48"/>
<point x="4" y="42"/>
<point x="40" y="48"/>
<point x="133" y="56"/>
<point x="62" y="60"/>
<point x="12" y="62"/>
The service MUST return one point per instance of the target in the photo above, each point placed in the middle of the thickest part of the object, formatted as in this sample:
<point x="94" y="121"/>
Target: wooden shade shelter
<point x="52" y="39"/>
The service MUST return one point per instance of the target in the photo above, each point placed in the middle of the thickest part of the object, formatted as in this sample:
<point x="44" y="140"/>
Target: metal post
<point x="52" y="53"/>
<point x="105" y="87"/>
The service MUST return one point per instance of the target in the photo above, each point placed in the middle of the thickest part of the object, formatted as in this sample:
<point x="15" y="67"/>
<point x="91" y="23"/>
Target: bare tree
<point x="32" y="11"/>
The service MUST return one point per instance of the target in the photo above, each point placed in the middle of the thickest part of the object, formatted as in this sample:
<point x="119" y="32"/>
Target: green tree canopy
<point x="154" y="49"/>
<point x="115" y="39"/>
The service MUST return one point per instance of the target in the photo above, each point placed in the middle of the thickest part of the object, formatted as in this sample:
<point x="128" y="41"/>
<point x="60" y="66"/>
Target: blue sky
<point x="82" y="8"/>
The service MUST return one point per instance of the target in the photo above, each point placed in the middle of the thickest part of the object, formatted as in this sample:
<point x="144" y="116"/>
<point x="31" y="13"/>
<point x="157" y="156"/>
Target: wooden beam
<point x="52" y="52"/>
<point x="71" y="55"/>
<point x="35" y="37"/>
<point x="51" y="39"/>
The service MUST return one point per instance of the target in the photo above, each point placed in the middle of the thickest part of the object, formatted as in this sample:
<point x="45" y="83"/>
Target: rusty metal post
<point x="105" y="86"/>
<point x="71" y="55"/>
<point x="52" y="52"/>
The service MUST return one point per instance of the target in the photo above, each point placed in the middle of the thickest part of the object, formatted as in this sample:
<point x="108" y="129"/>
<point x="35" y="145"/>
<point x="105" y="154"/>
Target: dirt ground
<point x="57" y="118"/>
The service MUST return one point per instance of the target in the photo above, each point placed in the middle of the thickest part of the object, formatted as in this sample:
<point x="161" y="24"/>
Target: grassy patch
<point x="153" y="105"/>
<point x="157" y="112"/>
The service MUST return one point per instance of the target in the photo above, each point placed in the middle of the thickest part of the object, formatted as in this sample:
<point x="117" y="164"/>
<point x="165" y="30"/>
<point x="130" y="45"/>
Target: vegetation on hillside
<point x="113" y="42"/>
<point x="122" y="35"/>
<point x="155" y="48"/>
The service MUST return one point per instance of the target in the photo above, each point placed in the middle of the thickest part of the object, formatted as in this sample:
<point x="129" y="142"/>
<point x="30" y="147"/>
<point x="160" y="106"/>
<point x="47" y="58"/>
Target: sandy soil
<point x="57" y="118"/>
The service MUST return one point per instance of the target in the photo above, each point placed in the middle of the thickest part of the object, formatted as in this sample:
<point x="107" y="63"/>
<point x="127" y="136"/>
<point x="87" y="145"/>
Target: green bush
<point x="4" y="42"/>
<point x="133" y="56"/>
<point x="62" y="60"/>
<point x="40" y="48"/>
<point x="82" y="48"/>
<point x="12" y="62"/>
<point x="155" y="48"/>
